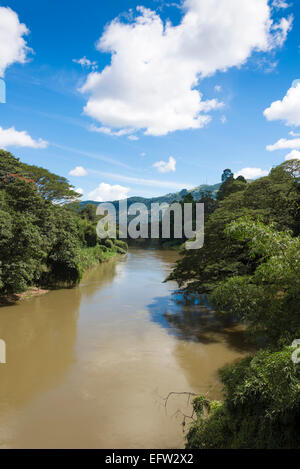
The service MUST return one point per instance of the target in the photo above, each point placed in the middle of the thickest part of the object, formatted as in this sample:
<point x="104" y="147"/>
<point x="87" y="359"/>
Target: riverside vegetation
<point x="46" y="239"/>
<point x="250" y="267"/>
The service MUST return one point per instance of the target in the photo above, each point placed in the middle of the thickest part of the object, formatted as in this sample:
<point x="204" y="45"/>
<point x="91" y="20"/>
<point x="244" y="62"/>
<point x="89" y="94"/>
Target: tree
<point x="273" y="199"/>
<point x="261" y="409"/>
<point x="227" y="174"/>
<point x="230" y="185"/>
<point x="89" y="212"/>
<point x="42" y="242"/>
<point x="50" y="186"/>
<point x="268" y="300"/>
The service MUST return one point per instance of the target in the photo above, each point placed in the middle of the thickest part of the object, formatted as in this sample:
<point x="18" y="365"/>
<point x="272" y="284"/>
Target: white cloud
<point x="280" y="4"/>
<point x="223" y="119"/>
<point x="294" y="134"/>
<point x="13" y="47"/>
<point x="79" y="171"/>
<point x="105" y="193"/>
<point x="12" y="137"/>
<point x="79" y="191"/>
<point x="109" y="131"/>
<point x="251" y="173"/>
<point x="288" y="109"/>
<point x="134" y="138"/>
<point x="143" y="154"/>
<point x="218" y="88"/>
<point x="151" y="83"/>
<point x="166" y="166"/>
<point x="293" y="155"/>
<point x="86" y="63"/>
<point x="284" y="144"/>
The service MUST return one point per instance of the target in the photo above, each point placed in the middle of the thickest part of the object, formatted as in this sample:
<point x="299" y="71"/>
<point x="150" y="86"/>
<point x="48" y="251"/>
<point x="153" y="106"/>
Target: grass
<point x="90" y="257"/>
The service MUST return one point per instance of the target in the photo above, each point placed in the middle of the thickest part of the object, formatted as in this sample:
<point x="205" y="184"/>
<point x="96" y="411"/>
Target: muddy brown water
<point x="90" y="367"/>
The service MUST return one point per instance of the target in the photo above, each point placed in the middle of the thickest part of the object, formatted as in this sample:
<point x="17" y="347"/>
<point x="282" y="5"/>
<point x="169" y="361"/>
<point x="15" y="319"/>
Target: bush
<point x="261" y="407"/>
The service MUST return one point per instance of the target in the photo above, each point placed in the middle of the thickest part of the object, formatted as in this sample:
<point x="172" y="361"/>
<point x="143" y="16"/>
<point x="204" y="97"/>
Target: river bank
<point x="89" y="258"/>
<point x="14" y="298"/>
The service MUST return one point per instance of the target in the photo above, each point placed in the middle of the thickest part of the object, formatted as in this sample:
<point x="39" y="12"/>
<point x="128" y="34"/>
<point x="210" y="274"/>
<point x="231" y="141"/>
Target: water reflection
<point x="92" y="281"/>
<point x="191" y="318"/>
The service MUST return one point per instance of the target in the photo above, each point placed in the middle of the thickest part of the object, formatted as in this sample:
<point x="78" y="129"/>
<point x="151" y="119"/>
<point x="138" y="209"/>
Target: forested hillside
<point x="196" y="193"/>
<point x="250" y="267"/>
<point x="44" y="239"/>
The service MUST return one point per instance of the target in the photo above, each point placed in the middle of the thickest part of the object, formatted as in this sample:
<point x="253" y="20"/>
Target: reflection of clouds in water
<point x="182" y="317"/>
<point x="205" y="342"/>
<point x="190" y="318"/>
<point x="121" y="270"/>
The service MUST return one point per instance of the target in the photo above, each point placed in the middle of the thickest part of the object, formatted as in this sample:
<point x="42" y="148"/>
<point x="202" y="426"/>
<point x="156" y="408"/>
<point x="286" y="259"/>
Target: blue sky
<point x="187" y="92"/>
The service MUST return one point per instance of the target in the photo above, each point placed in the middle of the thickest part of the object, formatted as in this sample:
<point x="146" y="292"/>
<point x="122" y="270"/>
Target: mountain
<point x="168" y="198"/>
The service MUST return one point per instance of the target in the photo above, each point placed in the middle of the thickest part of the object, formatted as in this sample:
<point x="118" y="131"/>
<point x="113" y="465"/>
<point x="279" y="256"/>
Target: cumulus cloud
<point x="251" y="173"/>
<point x="288" y="109"/>
<point x="79" y="171"/>
<point x="151" y="83"/>
<point x="284" y="144"/>
<point x="105" y="193"/>
<point x="14" y="138"/>
<point x="86" y="63"/>
<point x="166" y="166"/>
<point x="293" y="155"/>
<point x="13" y="47"/>
<point x="79" y="191"/>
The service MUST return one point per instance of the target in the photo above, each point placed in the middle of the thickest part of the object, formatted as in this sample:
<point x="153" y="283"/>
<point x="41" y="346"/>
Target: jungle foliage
<point x="43" y="236"/>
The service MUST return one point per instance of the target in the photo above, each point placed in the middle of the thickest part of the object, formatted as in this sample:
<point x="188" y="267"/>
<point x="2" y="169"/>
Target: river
<point x="90" y="367"/>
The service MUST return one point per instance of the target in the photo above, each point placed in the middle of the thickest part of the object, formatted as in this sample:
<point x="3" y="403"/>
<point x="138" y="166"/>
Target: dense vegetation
<point x="250" y="267"/>
<point x="45" y="239"/>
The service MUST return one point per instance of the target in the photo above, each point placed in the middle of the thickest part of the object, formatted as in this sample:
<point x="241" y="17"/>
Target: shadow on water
<point x="192" y="319"/>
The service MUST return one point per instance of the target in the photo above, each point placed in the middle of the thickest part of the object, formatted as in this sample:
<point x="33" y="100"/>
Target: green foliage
<point x="90" y="257"/>
<point x="268" y="300"/>
<point x="88" y="212"/>
<point x="41" y="241"/>
<point x="273" y="199"/>
<point x="230" y="185"/>
<point x="210" y="204"/>
<point x="120" y="246"/>
<point x="50" y="186"/>
<point x="261" y="407"/>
